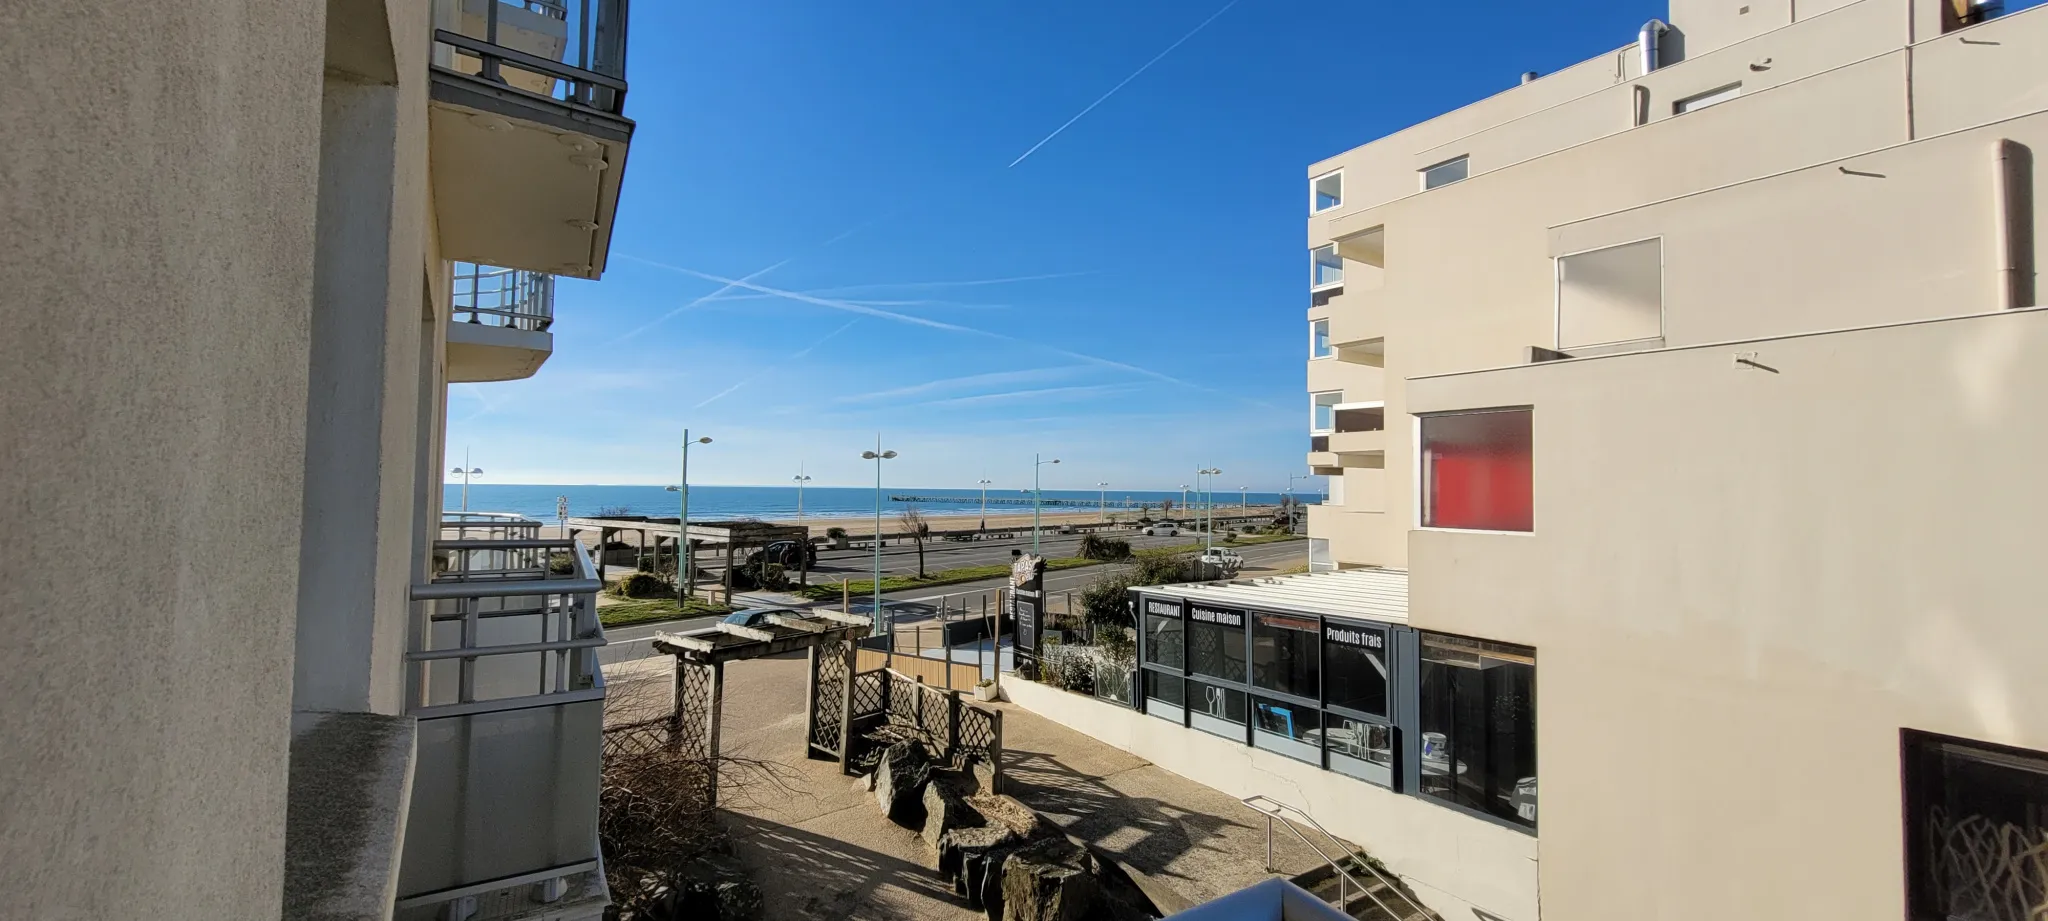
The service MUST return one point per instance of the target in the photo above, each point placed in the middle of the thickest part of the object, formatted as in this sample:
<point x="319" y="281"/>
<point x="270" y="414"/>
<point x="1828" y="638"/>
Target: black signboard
<point x="1227" y="617"/>
<point x="1162" y="608"/>
<point x="1357" y="635"/>
<point x="1024" y="617"/>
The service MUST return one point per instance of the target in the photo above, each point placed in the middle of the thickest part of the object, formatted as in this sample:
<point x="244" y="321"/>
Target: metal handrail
<point x="568" y="603"/>
<point x="512" y="298"/>
<point x="1279" y="810"/>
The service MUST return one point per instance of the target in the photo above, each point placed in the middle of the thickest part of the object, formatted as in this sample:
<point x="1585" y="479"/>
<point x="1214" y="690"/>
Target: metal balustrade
<point x="571" y="51"/>
<point x="511" y="298"/>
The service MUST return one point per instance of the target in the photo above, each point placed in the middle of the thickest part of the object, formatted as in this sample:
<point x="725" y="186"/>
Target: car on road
<point x="1223" y="556"/>
<point x="784" y="553"/>
<point x="1161" y="529"/>
<point x="757" y="617"/>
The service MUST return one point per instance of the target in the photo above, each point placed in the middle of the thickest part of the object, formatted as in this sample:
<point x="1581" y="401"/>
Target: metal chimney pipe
<point x="1529" y="76"/>
<point x="1646" y="41"/>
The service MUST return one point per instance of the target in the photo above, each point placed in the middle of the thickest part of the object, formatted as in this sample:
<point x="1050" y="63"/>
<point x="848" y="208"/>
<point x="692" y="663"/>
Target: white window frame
<point x="1712" y="97"/>
<point x="1312" y="406"/>
<point x="1422" y="175"/>
<point x="1312" y="263"/>
<point x="1332" y="350"/>
<point x="1312" y="183"/>
<point x="1557" y="295"/>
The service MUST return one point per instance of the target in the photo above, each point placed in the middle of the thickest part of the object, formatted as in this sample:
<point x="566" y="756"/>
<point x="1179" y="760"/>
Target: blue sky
<point x="1130" y="297"/>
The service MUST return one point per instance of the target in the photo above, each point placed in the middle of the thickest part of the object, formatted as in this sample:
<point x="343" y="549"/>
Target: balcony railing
<point x="571" y="51"/>
<point x="504" y="680"/>
<point x="512" y="298"/>
<point x="488" y="526"/>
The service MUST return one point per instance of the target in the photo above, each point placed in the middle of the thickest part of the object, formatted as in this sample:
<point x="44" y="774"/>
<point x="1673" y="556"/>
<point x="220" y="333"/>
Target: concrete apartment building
<point x="247" y="247"/>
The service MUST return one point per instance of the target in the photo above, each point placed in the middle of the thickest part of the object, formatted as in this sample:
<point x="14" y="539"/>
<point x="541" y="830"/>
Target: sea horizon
<point x="539" y="500"/>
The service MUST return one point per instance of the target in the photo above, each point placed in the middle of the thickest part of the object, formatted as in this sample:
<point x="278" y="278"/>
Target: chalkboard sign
<point x="1024" y="615"/>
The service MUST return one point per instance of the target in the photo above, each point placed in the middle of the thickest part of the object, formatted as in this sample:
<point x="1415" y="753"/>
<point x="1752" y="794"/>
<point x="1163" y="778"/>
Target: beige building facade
<point x="1701" y="377"/>
<point x="247" y="249"/>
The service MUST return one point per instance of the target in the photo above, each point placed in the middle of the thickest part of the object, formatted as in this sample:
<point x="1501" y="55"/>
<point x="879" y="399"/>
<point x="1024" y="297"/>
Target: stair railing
<point x="1274" y="809"/>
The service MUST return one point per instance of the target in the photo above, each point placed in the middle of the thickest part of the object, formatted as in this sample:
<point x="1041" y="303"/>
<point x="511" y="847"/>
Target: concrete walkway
<point x="822" y="850"/>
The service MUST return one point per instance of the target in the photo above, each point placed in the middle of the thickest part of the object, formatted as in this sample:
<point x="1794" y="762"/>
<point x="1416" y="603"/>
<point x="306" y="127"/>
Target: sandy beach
<point x="1006" y="520"/>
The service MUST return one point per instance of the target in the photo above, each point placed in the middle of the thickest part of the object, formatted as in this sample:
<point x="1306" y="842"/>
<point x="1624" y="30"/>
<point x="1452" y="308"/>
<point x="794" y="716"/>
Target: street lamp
<point x="1036" y="465"/>
<point x="800" y="481"/>
<point x="878" y="456"/>
<point x="984" y="481"/>
<point x="1209" y="505"/>
<point x="1244" y="501"/>
<point x="1102" y="500"/>
<point x="467" y="473"/>
<point x="685" y="577"/>
<point x="1291" y="504"/>
<point x="1183" y="498"/>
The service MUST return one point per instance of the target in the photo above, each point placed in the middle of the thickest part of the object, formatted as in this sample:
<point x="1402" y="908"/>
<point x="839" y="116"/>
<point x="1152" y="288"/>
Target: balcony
<point x="500" y="320"/>
<point x="504" y="682"/>
<point x="1358" y="324"/>
<point x="528" y="138"/>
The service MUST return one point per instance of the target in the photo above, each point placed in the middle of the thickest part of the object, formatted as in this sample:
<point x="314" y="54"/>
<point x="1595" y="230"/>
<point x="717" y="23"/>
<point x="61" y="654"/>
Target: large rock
<point x="1006" y="811"/>
<point x="945" y="809"/>
<point x="899" y="781"/>
<point x="959" y="845"/>
<point x="1051" y="880"/>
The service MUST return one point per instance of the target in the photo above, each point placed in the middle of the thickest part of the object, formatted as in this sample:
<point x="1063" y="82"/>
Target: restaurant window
<point x="1165" y="694"/>
<point x="1478" y="726"/>
<point x="1292" y="729"/>
<point x="1284" y="655"/>
<point x="1217" y="709"/>
<point x="1216" y="643"/>
<point x="1476" y="471"/>
<point x="1164" y="636"/>
<point x="1355" y="662"/>
<point x="1360" y="748"/>
<point x="1976" y="815"/>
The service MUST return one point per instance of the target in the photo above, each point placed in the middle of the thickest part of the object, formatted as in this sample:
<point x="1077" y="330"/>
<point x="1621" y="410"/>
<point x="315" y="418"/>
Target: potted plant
<point x="985" y="689"/>
<point x="837" y="535"/>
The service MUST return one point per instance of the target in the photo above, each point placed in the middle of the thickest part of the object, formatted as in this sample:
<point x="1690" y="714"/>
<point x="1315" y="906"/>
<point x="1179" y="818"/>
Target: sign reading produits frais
<point x="1362" y="637"/>
<point x="1224" y="616"/>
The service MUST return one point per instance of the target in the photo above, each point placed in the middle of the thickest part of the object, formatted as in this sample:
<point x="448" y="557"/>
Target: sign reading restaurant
<point x="1162" y="608"/>
<point x="1209" y="615"/>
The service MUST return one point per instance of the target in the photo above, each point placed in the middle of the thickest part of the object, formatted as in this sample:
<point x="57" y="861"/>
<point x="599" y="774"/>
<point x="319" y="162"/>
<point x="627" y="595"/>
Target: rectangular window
<point x="1284" y="655"/>
<point x="1325" y="267"/>
<point x="1319" y="339"/>
<point x="1291" y="729"/>
<point x="1611" y="295"/>
<point x="1326" y="192"/>
<point x="1478" y="726"/>
<point x="1216" y="709"/>
<point x="1216" y="642"/>
<point x="1355" y="665"/>
<point x="1164" y="639"/>
<point x="1322" y="410"/>
<point x="1476" y="470"/>
<point x="1164" y="695"/>
<point x="1703" y="100"/>
<point x="1443" y="173"/>
<point x="1319" y="558"/>
<point x="1976" y="815"/>
<point x="1362" y="749"/>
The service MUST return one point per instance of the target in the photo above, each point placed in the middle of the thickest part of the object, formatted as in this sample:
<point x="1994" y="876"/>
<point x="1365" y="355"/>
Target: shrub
<point x="561" y="564"/>
<point x="769" y="576"/>
<point x="835" y="532"/>
<point x="642" y="585"/>
<point x="1097" y="547"/>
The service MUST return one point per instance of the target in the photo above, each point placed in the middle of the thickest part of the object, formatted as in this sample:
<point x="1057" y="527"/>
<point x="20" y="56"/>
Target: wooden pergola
<point x="732" y="535"/>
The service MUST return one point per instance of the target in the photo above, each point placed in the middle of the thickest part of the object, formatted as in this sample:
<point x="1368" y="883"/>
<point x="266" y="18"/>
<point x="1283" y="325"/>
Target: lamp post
<point x="1036" y="465"/>
<point x="467" y="473"/>
<point x="984" y="481"/>
<point x="1209" y="506"/>
<point x="1244" y="501"/>
<point x="878" y="456"/>
<point x="1290" y="495"/>
<point x="685" y="555"/>
<point x="800" y="481"/>
<point x="1102" y="500"/>
<point x="1183" y="498"/>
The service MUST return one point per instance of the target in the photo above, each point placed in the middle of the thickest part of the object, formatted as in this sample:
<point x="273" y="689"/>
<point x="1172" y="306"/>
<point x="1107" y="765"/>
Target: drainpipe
<point x="1646" y="40"/>
<point x="2012" y="207"/>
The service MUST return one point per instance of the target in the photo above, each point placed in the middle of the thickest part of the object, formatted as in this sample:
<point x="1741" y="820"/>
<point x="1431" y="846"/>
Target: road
<point x="626" y="643"/>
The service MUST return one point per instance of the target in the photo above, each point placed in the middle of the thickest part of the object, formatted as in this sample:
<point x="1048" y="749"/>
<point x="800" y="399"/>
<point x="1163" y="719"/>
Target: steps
<point x="1324" y="883"/>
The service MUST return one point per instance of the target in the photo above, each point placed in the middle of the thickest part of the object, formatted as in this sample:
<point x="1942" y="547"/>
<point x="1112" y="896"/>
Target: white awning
<point x="1372" y="594"/>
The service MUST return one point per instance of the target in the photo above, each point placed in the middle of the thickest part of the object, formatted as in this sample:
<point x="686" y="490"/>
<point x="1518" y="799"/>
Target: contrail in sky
<point x="1112" y="90"/>
<point x="757" y="375"/>
<point x="657" y="321"/>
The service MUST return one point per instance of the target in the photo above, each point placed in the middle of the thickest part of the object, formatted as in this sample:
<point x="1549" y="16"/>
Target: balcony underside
<point x="479" y="352"/>
<point x="523" y="181"/>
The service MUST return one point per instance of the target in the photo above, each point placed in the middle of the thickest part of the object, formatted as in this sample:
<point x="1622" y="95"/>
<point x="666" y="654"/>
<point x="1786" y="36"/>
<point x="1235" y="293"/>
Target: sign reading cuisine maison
<point x="1223" y="616"/>
<point x="1350" y="635"/>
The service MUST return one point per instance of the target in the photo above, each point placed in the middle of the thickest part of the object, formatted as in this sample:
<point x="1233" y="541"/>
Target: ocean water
<point x="709" y="503"/>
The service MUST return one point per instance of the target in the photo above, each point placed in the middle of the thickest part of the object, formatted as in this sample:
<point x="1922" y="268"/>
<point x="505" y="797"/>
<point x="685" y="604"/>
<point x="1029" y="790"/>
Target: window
<point x="1326" y="192"/>
<point x="1164" y="695"/>
<point x="1319" y="558"/>
<point x="1478" y="726"/>
<point x="1361" y="749"/>
<point x="1319" y="339"/>
<point x="1284" y="655"/>
<point x="1611" y="295"/>
<point x="1322" y="410"/>
<point x="1974" y="814"/>
<point x="1476" y="471"/>
<point x="1164" y="639"/>
<point x="1216" y="642"/>
<point x="1355" y="658"/>
<point x="1443" y="173"/>
<point x="1216" y="709"/>
<point x="1292" y="729"/>
<point x="1325" y="267"/>
<point x="1703" y="100"/>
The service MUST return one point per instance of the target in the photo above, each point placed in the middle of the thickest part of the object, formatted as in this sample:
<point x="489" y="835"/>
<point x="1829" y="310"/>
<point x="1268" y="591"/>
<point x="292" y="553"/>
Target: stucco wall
<point x="158" y="171"/>
<point x="1741" y="585"/>
<point x="1452" y="861"/>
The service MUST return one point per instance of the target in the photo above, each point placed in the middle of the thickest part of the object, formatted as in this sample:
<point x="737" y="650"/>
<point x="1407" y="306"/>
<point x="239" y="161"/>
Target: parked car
<point x="1161" y="529"/>
<point x="757" y="617"/>
<point x="784" y="553"/>
<point x="1223" y="556"/>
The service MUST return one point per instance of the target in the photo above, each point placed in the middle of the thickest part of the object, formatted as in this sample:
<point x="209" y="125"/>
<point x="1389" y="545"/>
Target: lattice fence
<point x="980" y="735"/>
<point x="692" y="732"/>
<point x="829" y="684"/>
<point x="643" y="737"/>
<point x="870" y="693"/>
<point x="1997" y="871"/>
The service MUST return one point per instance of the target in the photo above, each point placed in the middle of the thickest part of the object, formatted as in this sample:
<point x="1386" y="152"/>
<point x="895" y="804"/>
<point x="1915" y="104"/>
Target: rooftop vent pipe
<point x="1647" y="39"/>
<point x="1529" y="76"/>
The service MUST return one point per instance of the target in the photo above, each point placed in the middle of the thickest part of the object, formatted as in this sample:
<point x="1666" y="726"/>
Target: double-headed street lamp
<point x="800" y="481"/>
<point x="1209" y="505"/>
<point x="467" y="473"/>
<point x="1183" y="498"/>
<point x="984" y="481"/>
<point x="684" y="579"/>
<point x="1036" y="465"/>
<point x="1102" y="500"/>
<point x="878" y="456"/>
<point x="1244" y="500"/>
